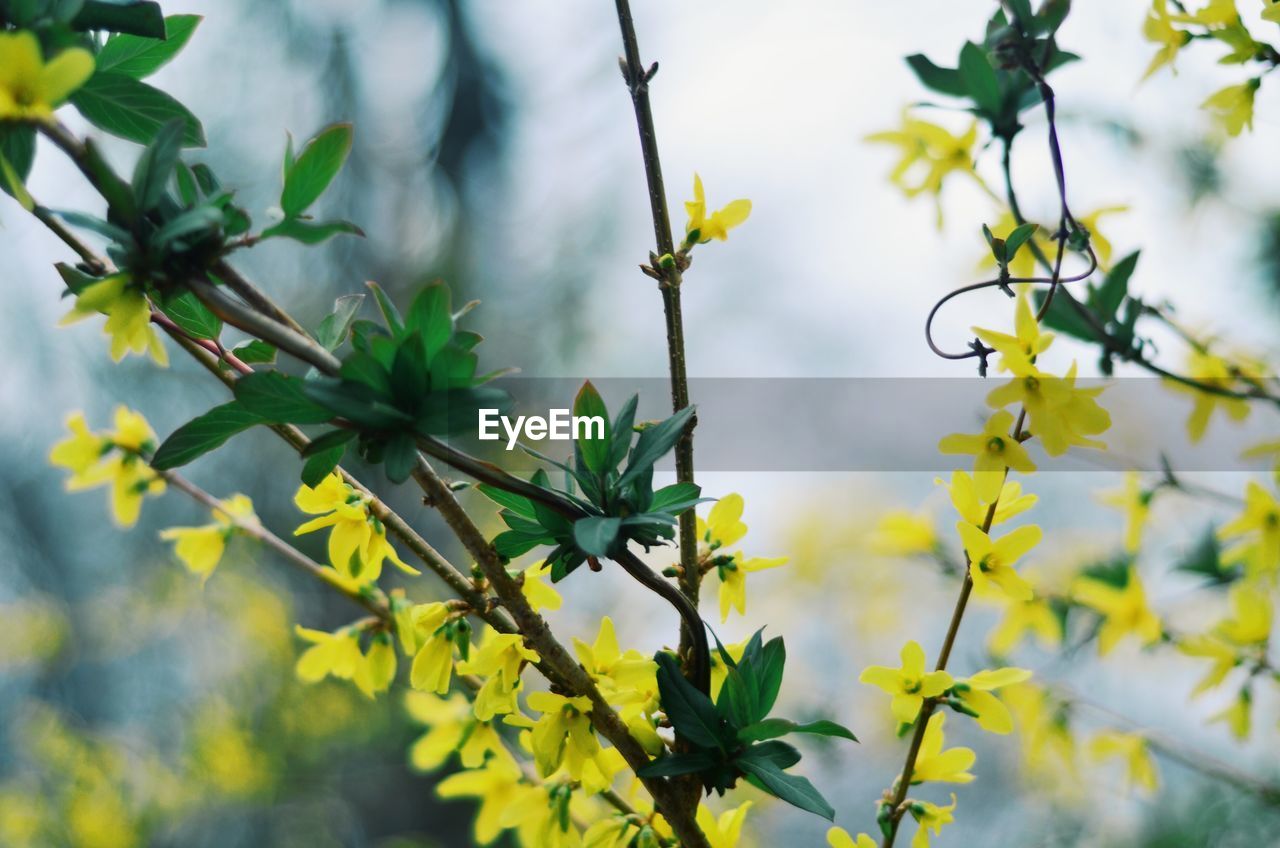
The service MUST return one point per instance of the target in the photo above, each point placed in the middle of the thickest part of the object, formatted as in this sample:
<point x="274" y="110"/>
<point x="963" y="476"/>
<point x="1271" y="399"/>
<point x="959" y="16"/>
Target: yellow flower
<point x="1225" y="658"/>
<point x="128" y="317"/>
<point x="358" y="542"/>
<point x="1272" y="11"/>
<point x="1135" y="503"/>
<point x="1020" y="617"/>
<point x="1159" y="29"/>
<point x="201" y="548"/>
<point x="930" y="817"/>
<point x="451" y="726"/>
<point x="936" y="150"/>
<point x="838" y="837"/>
<point x="432" y="668"/>
<point x="499" y="787"/>
<point x="1027" y="342"/>
<point x="994" y="451"/>
<point x="1208" y="368"/>
<point x="909" y="685"/>
<point x="1101" y="244"/>
<point x="935" y="764"/>
<point x="377" y="667"/>
<point x="539" y="595"/>
<point x="119" y="462"/>
<point x="1060" y="414"/>
<point x="562" y="735"/>
<point x="1238" y="716"/>
<point x="1125" y="610"/>
<point x="975" y="693"/>
<point x="1250" y="619"/>
<point x="627" y="680"/>
<point x="703" y="228"/>
<point x="725" y="831"/>
<point x="500" y="655"/>
<point x="991" y="560"/>
<point x="902" y="533"/>
<point x="1258" y="528"/>
<point x="724" y="523"/>
<point x="733" y="571"/>
<point x="1050" y="748"/>
<point x="336" y="654"/>
<point x="964" y="497"/>
<point x="1232" y="107"/>
<point x="1132" y="748"/>
<point x="30" y="88"/>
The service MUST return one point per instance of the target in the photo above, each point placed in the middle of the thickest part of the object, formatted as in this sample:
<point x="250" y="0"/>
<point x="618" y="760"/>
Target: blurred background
<point x="495" y="147"/>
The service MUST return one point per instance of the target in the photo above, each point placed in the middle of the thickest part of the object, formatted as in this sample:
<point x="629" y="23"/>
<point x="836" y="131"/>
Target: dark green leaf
<point x="596" y="534"/>
<point x="133" y="110"/>
<point x="390" y="314"/>
<point x="320" y="465"/>
<point x="202" y="220"/>
<point x="201" y="435"/>
<point x="655" y="442"/>
<point x="311" y="232"/>
<point x="357" y="403"/>
<point x="772" y="728"/>
<point x="622" y="431"/>
<point x="431" y="315"/>
<point x="691" y="712"/>
<point x="1114" y="288"/>
<point x="192" y="316"/>
<point x="595" y="451"/>
<point x="941" y="80"/>
<point x="769" y="670"/>
<point x="979" y="78"/>
<point x="255" y="352"/>
<point x="1017" y="239"/>
<point x="279" y="399"/>
<point x="139" y="57"/>
<point x="400" y="457"/>
<point x="791" y="788"/>
<point x="518" y="504"/>
<point x="314" y="169"/>
<point x="333" y="330"/>
<point x="97" y="225"/>
<point x="781" y="754"/>
<point x="18" y="147"/>
<point x="1063" y="317"/>
<point x="155" y="166"/>
<point x="676" y="498"/>
<point x="673" y="765"/>
<point x="513" y="543"/>
<point x="136" y="17"/>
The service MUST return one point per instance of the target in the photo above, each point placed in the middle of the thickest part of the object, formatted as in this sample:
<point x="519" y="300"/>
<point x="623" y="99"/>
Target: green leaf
<point x="255" y="352"/>
<point x="189" y="223"/>
<point x="136" y="17"/>
<point x="518" y="504"/>
<point x="320" y="465"/>
<point x="595" y="534"/>
<point x="979" y="78"/>
<point x="140" y="57"/>
<point x="133" y="110"/>
<point x="204" y="433"/>
<point x="623" y="431"/>
<point x="791" y="788"/>
<point x="654" y="443"/>
<point x="431" y="316"/>
<point x="314" y="169"/>
<point x="1016" y="239"/>
<point x="14" y="186"/>
<point x="513" y="543"/>
<point x="676" y="498"/>
<point x="192" y="316"/>
<point x="279" y="399"/>
<point x="333" y="330"/>
<point x="772" y="728"/>
<point x="769" y="669"/>
<point x="1062" y="316"/>
<point x="941" y="80"/>
<point x="674" y="765"/>
<point x="311" y="232"/>
<point x="400" y="457"/>
<point x="155" y="165"/>
<point x="1204" y="559"/>
<point x="690" y="711"/>
<point x="595" y="451"/>
<point x="357" y="403"/>
<point x="18" y="147"/>
<point x="739" y="700"/>
<point x="1107" y="299"/>
<point x="388" y="309"/>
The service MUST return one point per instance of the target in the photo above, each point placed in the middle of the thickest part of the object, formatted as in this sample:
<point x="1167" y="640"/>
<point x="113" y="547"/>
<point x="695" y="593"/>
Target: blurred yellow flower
<point x="936" y="150"/>
<point x="1159" y="29"/>
<point x="119" y="462"/>
<point x="1132" y="748"/>
<point x="1209" y="368"/>
<point x="1257" y="529"/>
<point x="1238" y="716"/>
<point x="336" y="654"/>
<point x="838" y="837"/>
<point x="975" y="693"/>
<point x="1135" y="503"/>
<point x="128" y="317"/>
<point x="30" y="87"/>
<point x="1035" y="616"/>
<point x="903" y="533"/>
<point x="451" y="726"/>
<point x="1124" y="610"/>
<point x="723" y="831"/>
<point x="1232" y="107"/>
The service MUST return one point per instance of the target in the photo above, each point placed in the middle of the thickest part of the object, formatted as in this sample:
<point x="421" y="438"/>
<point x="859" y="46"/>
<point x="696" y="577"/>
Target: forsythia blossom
<point x="910" y="684"/>
<point x="994" y="451"/>
<point x="1124" y="610"/>
<point x="128" y="317"/>
<point x="30" y="87"/>
<point x="1135" y="502"/>
<point x="724" y="527"/>
<point x="991" y="560"/>
<point x="938" y="765"/>
<point x="1132" y="748"/>
<point x="201" y="548"/>
<point x="357" y="541"/>
<point x="974" y="693"/>
<point x="936" y="150"/>
<point x="1257" y="531"/>
<point x="115" y="458"/>
<point x="702" y="227"/>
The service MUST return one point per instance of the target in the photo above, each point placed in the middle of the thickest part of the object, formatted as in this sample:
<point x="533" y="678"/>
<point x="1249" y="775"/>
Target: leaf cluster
<point x="733" y="737"/>
<point x="610" y="481"/>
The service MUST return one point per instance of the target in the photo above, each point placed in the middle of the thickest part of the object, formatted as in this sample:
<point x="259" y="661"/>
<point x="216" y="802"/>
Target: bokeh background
<point x="495" y="147"/>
